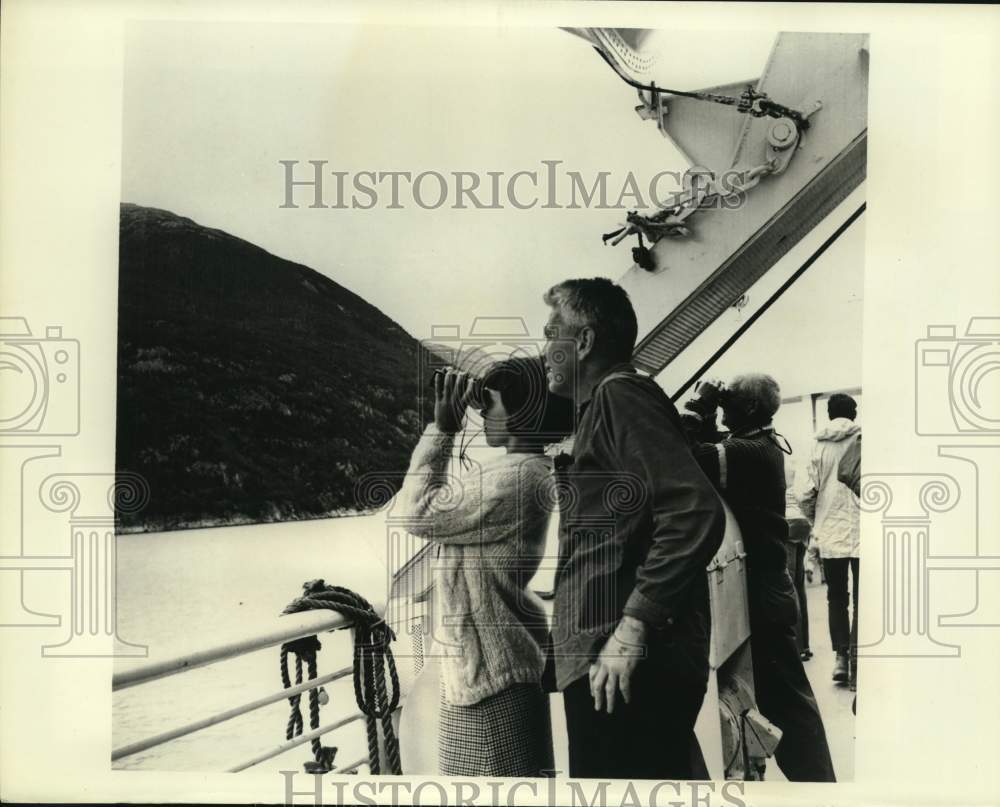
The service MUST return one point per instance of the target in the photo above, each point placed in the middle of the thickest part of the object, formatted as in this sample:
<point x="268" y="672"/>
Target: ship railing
<point x="283" y="629"/>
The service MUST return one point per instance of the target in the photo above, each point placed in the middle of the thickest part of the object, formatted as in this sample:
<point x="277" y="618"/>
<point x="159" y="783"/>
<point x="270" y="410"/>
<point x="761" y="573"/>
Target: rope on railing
<point x="305" y="650"/>
<point x="372" y="654"/>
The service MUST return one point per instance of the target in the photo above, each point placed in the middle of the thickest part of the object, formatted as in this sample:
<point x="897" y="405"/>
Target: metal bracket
<point x="700" y="183"/>
<point x="783" y="136"/>
<point x="721" y="561"/>
<point x="653" y="107"/>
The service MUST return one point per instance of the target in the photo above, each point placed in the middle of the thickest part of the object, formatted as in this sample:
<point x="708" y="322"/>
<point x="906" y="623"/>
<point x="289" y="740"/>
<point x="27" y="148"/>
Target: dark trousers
<point x="650" y="738"/>
<point x="843" y="627"/>
<point x="785" y="697"/>
<point x="796" y="556"/>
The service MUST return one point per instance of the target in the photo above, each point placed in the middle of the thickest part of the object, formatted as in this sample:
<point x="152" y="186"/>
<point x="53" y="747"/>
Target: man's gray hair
<point x="602" y="305"/>
<point x="757" y="391"/>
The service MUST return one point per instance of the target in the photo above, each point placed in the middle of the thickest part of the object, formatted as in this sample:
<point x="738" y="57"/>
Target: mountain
<point x="250" y="388"/>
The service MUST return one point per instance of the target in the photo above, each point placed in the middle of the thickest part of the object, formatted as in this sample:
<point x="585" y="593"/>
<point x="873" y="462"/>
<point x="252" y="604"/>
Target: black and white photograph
<point x="468" y="409"/>
<point x="369" y="365"/>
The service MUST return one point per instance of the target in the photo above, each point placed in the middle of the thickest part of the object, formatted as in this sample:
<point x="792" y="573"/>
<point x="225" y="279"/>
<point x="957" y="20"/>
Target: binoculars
<point x="477" y="397"/>
<point x="717" y="392"/>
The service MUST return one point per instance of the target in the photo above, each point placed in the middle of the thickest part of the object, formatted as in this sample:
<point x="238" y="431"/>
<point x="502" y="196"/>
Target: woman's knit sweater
<point x="490" y="524"/>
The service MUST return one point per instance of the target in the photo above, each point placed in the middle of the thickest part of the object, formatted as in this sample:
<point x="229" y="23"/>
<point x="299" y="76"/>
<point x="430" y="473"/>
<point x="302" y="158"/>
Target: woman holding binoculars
<point x="489" y="522"/>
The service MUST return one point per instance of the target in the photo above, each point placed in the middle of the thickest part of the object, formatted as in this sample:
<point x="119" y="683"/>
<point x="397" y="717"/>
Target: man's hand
<point x="612" y="672"/>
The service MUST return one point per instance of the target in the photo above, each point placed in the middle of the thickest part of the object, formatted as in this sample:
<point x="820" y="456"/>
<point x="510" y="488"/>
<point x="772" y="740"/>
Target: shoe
<point x="806" y="654"/>
<point x="854" y="705"/>
<point x="840" y="672"/>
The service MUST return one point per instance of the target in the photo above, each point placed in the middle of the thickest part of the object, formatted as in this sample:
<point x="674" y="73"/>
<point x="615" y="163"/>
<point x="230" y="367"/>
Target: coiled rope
<point x="372" y="655"/>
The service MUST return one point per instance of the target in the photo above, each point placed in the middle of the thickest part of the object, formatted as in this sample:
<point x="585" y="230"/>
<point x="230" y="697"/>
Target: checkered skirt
<point x="507" y="734"/>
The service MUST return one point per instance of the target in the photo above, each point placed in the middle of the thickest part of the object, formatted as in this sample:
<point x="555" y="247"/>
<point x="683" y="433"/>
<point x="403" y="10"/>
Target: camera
<point x="40" y="380"/>
<point x="710" y="394"/>
<point x="958" y="379"/>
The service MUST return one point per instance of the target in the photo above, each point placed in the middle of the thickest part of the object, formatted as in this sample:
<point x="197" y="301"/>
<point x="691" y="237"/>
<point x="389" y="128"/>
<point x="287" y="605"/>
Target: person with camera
<point x="834" y="511"/>
<point x="639" y="523"/>
<point x="489" y="523"/>
<point x="748" y="468"/>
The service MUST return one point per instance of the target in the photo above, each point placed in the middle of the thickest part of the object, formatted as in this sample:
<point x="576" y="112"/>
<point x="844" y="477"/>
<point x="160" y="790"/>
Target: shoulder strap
<point x="670" y="409"/>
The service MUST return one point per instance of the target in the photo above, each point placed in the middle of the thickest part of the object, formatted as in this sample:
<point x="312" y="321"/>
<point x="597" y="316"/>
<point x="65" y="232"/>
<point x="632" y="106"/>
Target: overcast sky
<point x="210" y="110"/>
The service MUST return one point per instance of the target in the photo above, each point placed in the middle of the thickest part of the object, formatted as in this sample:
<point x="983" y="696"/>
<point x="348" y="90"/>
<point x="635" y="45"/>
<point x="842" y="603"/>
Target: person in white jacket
<point x="835" y="514"/>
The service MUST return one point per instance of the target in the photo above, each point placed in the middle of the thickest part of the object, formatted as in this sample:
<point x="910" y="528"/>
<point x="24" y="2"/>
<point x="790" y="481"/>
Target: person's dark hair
<point x="531" y="408"/>
<point x="841" y="406"/>
<point x="604" y="306"/>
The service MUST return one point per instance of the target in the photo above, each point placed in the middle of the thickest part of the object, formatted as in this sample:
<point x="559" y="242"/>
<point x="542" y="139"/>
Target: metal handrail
<point x="294" y="626"/>
<point x="229" y="714"/>
<point x="287" y="628"/>
<point x="352" y="767"/>
<point x="302" y="739"/>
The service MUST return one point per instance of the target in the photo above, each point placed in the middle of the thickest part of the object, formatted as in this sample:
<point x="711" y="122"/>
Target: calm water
<point x="178" y="590"/>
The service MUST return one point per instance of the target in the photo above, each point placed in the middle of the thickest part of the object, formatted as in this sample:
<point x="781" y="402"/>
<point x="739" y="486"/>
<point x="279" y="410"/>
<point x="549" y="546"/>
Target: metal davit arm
<point x="736" y="238"/>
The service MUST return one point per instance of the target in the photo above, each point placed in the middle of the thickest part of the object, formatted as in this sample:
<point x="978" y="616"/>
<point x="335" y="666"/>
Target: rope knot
<point x="313" y="586"/>
<point x="372" y="656"/>
<point x="323" y="762"/>
<point x="306" y="646"/>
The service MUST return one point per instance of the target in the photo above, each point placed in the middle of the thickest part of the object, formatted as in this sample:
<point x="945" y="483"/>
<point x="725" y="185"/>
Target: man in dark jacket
<point x="748" y="469"/>
<point x="639" y="523"/>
